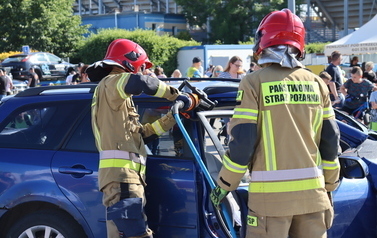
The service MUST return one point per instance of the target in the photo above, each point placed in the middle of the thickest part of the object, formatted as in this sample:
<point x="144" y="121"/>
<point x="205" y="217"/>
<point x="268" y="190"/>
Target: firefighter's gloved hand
<point x="217" y="195"/>
<point x="186" y="99"/>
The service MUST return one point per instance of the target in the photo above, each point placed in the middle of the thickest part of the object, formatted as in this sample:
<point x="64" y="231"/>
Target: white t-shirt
<point x="7" y="87"/>
<point x="68" y="80"/>
<point x="373" y="112"/>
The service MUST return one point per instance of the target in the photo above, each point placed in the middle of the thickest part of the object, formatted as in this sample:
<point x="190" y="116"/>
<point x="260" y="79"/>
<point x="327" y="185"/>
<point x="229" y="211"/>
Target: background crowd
<point x="351" y="91"/>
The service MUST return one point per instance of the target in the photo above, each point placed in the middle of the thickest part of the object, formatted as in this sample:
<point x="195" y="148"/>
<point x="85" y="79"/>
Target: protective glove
<point x="186" y="99"/>
<point x="217" y="195"/>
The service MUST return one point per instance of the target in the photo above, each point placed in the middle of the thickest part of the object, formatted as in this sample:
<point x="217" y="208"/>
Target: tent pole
<point x="345" y="25"/>
<point x="361" y="14"/>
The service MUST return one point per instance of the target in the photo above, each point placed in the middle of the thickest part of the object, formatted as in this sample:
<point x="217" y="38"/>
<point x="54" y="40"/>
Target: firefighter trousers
<point x="312" y="225"/>
<point x="116" y="196"/>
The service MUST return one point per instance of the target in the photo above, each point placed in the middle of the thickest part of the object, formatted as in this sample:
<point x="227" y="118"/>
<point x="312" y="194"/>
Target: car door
<point x="354" y="199"/>
<point x="40" y="60"/>
<point x="56" y="65"/>
<point x="75" y="169"/>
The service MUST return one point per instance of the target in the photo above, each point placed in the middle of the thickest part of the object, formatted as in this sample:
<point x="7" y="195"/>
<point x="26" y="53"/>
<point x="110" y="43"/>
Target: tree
<point x="44" y="25"/>
<point x="162" y="50"/>
<point x="231" y="21"/>
<point x="197" y="11"/>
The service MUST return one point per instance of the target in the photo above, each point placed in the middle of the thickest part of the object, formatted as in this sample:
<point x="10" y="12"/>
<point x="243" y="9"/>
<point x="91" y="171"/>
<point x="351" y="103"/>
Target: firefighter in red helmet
<point x="120" y="137"/>
<point x="283" y="132"/>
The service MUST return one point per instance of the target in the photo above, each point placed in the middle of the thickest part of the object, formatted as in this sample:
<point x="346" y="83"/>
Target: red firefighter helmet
<point x="127" y="54"/>
<point x="280" y="28"/>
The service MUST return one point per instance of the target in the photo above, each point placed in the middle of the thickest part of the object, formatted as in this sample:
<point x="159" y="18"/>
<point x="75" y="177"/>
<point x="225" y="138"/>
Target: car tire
<point x="38" y="224"/>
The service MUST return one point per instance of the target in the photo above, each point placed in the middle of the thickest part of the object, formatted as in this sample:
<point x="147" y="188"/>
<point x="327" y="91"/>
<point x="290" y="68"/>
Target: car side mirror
<point x="353" y="167"/>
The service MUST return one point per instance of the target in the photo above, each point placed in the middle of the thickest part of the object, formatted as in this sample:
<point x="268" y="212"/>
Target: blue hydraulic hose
<point x="212" y="184"/>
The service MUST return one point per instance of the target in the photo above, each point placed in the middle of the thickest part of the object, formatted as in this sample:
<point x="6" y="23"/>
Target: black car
<point x="46" y="65"/>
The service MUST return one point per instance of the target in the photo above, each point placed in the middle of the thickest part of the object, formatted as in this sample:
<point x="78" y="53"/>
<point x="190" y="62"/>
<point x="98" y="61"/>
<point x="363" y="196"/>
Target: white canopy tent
<point x="360" y="42"/>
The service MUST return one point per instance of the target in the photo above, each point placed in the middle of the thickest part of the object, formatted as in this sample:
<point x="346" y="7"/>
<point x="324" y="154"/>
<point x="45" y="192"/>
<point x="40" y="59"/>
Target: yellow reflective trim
<point x="268" y="141"/>
<point x="120" y="86"/>
<point x="94" y="99"/>
<point x="328" y="112"/>
<point x="245" y="113"/>
<point x="330" y="165"/>
<point x="96" y="133"/>
<point x="290" y="92"/>
<point x="157" y="128"/>
<point x="161" y="90"/>
<point x="121" y="163"/>
<point x="233" y="167"/>
<point x="316" y="125"/>
<point x="239" y="95"/>
<point x="286" y="186"/>
<point x="244" y="117"/>
<point x="97" y="136"/>
<point x="238" y="109"/>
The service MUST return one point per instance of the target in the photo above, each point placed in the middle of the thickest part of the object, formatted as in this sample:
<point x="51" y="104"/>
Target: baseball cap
<point x="196" y="60"/>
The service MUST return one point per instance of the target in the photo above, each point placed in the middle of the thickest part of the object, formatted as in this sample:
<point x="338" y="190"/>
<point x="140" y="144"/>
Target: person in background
<point x="363" y="66"/>
<point x="159" y="72"/>
<point x="334" y="70"/>
<point x="3" y="84"/>
<point x="217" y="70"/>
<point x="84" y="75"/>
<point x="71" y="72"/>
<point x="356" y="91"/>
<point x="336" y="101"/>
<point x="76" y="78"/>
<point x="344" y="76"/>
<point x="253" y="67"/>
<point x="9" y="86"/>
<point x="121" y="138"/>
<point x="176" y="74"/>
<point x="373" y="111"/>
<point x="194" y="70"/>
<point x="354" y="61"/>
<point x="149" y="73"/>
<point x="233" y="69"/>
<point x="33" y="79"/>
<point x="290" y="144"/>
<point x="209" y="71"/>
<point x="369" y="73"/>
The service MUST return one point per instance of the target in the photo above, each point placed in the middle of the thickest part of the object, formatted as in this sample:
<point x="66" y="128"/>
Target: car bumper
<point x="20" y="75"/>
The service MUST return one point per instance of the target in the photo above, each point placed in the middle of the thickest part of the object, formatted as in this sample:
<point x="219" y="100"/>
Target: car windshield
<point x="14" y="59"/>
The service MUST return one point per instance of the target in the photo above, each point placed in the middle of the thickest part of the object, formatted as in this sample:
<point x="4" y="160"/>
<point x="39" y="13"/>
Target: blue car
<point x="49" y="169"/>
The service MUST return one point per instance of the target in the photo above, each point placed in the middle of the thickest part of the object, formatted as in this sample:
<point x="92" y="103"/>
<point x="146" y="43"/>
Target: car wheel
<point x="46" y="224"/>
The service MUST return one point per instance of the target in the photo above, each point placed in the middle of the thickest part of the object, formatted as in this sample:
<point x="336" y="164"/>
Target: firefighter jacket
<point x="117" y="130"/>
<point x="283" y="130"/>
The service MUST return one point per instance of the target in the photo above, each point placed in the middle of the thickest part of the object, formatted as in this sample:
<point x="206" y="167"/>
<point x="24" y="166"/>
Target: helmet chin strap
<point x="129" y="67"/>
<point x="285" y="55"/>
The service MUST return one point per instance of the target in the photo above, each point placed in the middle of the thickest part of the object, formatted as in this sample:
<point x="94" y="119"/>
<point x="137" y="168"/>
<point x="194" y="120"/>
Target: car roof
<point x="222" y="90"/>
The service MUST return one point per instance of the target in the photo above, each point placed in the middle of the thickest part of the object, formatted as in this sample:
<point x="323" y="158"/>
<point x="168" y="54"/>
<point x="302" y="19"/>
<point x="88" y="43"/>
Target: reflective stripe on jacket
<point x="118" y="132"/>
<point x="287" y="171"/>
